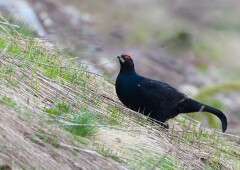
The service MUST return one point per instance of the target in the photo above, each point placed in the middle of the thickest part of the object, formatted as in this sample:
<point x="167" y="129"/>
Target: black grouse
<point x="156" y="99"/>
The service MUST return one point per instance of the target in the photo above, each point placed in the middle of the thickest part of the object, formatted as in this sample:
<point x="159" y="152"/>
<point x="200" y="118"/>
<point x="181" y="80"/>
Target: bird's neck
<point x="127" y="70"/>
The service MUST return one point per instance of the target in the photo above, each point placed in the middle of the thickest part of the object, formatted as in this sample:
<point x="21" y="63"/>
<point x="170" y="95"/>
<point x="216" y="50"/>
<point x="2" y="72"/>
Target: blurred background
<point x="192" y="45"/>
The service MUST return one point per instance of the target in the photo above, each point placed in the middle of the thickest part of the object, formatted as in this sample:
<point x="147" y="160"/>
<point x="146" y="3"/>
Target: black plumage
<point x="156" y="99"/>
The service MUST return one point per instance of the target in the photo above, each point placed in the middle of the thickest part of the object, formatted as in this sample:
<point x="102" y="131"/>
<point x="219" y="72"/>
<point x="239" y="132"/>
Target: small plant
<point x="7" y="75"/>
<point x="115" y="115"/>
<point x="8" y="101"/>
<point x="59" y="109"/>
<point x="85" y="123"/>
<point x="163" y="161"/>
<point x="107" y="152"/>
<point x="23" y="28"/>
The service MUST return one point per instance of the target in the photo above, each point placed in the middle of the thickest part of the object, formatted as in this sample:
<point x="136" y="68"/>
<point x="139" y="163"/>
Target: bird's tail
<point x="189" y="105"/>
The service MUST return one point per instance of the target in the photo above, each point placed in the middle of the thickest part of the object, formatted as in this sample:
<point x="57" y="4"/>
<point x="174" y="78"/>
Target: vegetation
<point x="21" y="26"/>
<point x="7" y="101"/>
<point x="82" y="123"/>
<point x="71" y="110"/>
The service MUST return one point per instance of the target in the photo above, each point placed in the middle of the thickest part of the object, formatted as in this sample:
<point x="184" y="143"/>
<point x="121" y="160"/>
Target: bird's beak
<point x="120" y="59"/>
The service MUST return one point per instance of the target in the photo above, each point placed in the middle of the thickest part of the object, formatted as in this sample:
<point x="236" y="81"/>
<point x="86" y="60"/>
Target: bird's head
<point x="126" y="62"/>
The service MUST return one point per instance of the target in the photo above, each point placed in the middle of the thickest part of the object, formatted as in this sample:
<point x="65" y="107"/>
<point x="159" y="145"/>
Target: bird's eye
<point x="128" y="57"/>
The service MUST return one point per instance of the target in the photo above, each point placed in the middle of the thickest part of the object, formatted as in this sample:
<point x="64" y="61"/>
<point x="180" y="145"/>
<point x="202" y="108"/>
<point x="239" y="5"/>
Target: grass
<point x="58" y="109"/>
<point x="7" y="101"/>
<point x="23" y="28"/>
<point x="82" y="123"/>
<point x="67" y="96"/>
<point x="107" y="152"/>
<point x="161" y="163"/>
<point x="115" y="115"/>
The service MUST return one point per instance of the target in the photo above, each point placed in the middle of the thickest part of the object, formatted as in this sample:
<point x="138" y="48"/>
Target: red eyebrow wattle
<point x="128" y="57"/>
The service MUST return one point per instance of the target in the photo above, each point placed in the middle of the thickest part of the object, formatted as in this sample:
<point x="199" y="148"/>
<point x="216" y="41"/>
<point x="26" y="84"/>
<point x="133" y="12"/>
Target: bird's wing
<point x="159" y="90"/>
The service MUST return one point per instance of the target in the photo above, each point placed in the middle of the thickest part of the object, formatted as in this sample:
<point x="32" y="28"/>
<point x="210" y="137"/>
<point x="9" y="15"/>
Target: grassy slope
<point x="48" y="103"/>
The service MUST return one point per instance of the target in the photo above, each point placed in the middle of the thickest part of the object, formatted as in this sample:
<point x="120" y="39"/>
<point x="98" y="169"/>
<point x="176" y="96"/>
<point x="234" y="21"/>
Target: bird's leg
<point x="164" y="125"/>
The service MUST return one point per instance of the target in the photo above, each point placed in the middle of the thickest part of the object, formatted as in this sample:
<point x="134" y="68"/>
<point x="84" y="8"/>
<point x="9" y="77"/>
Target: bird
<point x="155" y="99"/>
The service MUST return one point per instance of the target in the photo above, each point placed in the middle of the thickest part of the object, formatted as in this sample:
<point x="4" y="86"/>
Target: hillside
<point x="55" y="114"/>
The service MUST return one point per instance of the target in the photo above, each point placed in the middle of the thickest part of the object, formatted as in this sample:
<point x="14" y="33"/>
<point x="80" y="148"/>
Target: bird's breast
<point x="127" y="91"/>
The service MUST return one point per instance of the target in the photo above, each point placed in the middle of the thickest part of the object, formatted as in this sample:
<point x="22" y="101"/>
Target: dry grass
<point x="34" y="144"/>
<point x="33" y="76"/>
